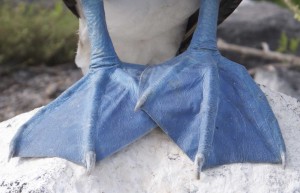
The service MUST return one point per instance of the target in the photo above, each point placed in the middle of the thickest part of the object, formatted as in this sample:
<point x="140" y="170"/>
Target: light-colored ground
<point x="154" y="164"/>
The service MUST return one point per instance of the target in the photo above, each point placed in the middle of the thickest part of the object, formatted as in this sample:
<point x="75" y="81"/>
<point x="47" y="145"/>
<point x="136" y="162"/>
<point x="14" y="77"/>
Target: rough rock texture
<point x="155" y="164"/>
<point x="279" y="79"/>
<point x="256" y="22"/>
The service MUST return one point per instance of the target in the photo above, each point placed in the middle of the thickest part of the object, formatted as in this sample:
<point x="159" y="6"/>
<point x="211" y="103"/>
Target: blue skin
<point x="208" y="105"/>
<point x="95" y="117"/>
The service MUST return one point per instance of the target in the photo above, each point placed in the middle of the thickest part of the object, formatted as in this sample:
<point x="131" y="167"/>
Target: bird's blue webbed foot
<point x="246" y="127"/>
<point x="210" y="106"/>
<point x="181" y="96"/>
<point x="95" y="117"/>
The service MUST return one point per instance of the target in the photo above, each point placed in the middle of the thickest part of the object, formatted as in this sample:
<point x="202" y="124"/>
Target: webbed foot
<point x="210" y="106"/>
<point x="95" y="117"/>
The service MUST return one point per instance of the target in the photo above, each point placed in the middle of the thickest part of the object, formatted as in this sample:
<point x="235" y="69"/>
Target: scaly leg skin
<point x="210" y="106"/>
<point x="95" y="117"/>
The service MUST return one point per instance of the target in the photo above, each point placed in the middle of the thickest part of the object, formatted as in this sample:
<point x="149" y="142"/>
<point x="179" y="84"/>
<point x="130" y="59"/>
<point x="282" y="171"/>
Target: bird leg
<point x="210" y="106"/>
<point x="95" y="117"/>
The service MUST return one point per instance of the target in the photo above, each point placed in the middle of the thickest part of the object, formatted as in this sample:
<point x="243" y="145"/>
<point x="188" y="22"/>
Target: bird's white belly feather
<point x="142" y="31"/>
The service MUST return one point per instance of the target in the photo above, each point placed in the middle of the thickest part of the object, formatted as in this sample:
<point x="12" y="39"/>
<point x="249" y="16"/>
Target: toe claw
<point x="140" y="103"/>
<point x="90" y="159"/>
<point x="283" y="159"/>
<point x="10" y="155"/>
<point x="199" y="161"/>
<point x="11" y="151"/>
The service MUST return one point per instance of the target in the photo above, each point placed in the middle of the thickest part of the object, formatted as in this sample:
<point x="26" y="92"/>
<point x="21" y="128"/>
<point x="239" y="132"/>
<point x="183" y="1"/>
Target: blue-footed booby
<point x="208" y="105"/>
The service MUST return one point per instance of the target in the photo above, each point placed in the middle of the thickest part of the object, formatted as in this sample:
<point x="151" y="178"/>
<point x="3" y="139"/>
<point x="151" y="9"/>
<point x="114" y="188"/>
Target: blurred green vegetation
<point x="288" y="45"/>
<point x="282" y="2"/>
<point x="34" y="34"/>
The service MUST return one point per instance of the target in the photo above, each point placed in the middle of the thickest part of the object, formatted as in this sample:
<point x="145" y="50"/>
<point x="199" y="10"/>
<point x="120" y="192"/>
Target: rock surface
<point x="155" y="164"/>
<point x="279" y="79"/>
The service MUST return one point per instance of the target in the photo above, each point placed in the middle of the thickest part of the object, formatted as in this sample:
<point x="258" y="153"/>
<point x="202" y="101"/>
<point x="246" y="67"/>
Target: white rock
<point x="280" y="79"/>
<point x="155" y="164"/>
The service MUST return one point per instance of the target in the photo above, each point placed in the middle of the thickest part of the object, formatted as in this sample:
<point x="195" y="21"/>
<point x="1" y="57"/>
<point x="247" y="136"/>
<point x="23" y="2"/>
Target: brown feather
<point x="71" y="4"/>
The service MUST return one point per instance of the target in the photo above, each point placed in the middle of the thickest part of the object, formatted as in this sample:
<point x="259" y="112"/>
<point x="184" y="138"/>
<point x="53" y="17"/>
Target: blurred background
<point x="38" y="40"/>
